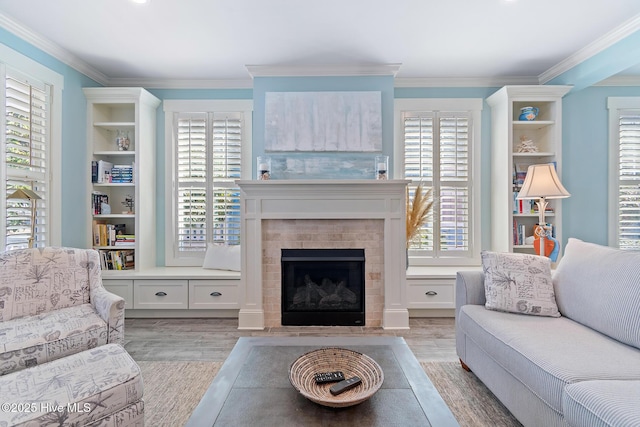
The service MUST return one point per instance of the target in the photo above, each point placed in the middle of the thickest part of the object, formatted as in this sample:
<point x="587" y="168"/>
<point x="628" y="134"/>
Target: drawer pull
<point x="161" y="294"/>
<point x="431" y="293"/>
<point x="215" y="294"/>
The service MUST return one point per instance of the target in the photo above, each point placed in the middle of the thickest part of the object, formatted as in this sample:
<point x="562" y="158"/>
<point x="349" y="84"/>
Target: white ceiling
<point x="216" y="39"/>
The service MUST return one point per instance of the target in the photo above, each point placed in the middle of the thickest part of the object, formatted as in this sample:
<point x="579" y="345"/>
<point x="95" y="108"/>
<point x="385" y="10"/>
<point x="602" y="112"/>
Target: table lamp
<point x="542" y="183"/>
<point x="24" y="194"/>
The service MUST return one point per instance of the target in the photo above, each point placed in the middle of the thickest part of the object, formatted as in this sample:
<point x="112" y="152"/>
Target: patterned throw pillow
<point x="519" y="283"/>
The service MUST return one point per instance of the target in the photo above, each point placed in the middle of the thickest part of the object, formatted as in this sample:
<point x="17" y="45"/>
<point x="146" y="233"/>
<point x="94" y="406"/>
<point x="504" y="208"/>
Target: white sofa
<point x="53" y="304"/>
<point x="580" y="369"/>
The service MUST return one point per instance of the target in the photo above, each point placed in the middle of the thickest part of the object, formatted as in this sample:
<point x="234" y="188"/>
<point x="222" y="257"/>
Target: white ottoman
<point x="102" y="386"/>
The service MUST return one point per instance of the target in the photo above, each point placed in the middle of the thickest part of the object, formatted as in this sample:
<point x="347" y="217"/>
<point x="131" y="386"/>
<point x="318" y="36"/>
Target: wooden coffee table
<point x="252" y="388"/>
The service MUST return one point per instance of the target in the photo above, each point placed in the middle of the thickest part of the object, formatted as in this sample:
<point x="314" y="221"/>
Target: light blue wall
<point x="75" y="172"/>
<point x="585" y="157"/>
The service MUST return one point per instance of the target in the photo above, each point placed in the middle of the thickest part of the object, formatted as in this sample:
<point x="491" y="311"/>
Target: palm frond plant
<point x="418" y="210"/>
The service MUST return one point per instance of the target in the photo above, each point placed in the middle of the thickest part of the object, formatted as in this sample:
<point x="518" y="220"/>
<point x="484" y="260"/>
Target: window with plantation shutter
<point x="26" y="146"/>
<point x="624" y="229"/>
<point x="209" y="150"/>
<point x="436" y="147"/>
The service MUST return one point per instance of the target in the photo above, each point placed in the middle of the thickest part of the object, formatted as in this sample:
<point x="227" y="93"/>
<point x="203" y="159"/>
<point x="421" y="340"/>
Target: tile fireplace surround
<point x="367" y="214"/>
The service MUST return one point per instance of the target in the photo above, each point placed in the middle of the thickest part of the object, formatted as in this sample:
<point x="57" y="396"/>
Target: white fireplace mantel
<point x="324" y="199"/>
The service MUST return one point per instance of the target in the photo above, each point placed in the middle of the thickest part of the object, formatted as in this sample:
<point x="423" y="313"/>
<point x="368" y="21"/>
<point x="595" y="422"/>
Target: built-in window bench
<point x="431" y="290"/>
<point x="176" y="292"/>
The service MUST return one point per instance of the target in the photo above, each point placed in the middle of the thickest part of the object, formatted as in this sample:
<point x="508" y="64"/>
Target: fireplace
<point x="323" y="287"/>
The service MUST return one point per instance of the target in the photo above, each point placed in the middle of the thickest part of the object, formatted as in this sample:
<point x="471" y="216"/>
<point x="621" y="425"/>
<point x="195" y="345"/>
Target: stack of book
<point x="97" y="201"/>
<point x="105" y="234"/>
<point x="125" y="240"/>
<point x="122" y="174"/>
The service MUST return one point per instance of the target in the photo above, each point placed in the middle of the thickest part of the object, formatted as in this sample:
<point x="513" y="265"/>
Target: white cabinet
<point x="511" y="154"/>
<point x="122" y="194"/>
<point x="213" y="294"/>
<point x="161" y="294"/>
<point x="431" y="293"/>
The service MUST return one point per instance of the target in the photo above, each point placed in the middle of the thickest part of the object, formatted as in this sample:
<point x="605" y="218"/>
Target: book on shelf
<point x="104" y="171"/>
<point x="122" y="174"/>
<point x="125" y="240"/>
<point x="98" y="200"/>
<point x="105" y="234"/>
<point x="117" y="259"/>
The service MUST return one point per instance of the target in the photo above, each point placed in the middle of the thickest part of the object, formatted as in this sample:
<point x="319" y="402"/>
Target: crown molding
<point x="620" y="81"/>
<point x="464" y="81"/>
<point x="51" y="48"/>
<point x="606" y="41"/>
<point x="322" y="70"/>
<point x="183" y="84"/>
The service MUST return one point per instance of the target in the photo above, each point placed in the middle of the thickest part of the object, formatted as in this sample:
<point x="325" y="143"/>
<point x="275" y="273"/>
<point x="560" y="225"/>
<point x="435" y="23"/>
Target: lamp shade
<point x="23" y="193"/>
<point x="542" y="182"/>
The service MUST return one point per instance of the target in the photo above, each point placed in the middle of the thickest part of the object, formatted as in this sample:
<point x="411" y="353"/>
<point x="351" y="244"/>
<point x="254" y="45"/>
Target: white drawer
<point x="214" y="294"/>
<point x="431" y="293"/>
<point x="161" y="294"/>
<point x="122" y="288"/>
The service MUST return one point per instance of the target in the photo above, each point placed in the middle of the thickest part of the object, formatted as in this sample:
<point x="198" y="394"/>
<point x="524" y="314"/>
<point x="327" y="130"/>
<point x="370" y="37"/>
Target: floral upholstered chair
<point x="53" y="304"/>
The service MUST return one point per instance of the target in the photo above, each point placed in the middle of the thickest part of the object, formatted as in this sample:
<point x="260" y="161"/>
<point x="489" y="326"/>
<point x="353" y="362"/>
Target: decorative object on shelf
<point x="418" y="211"/>
<point x="31" y="196"/>
<point x="382" y="167"/>
<point x="526" y="145"/>
<point x="122" y="140"/>
<point x="529" y="113"/>
<point x="264" y="168"/>
<point x="542" y="183"/>
<point x="129" y="203"/>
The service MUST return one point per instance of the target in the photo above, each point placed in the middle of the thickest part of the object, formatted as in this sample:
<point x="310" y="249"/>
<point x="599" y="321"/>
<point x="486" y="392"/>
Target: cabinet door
<point x="161" y="294"/>
<point x="122" y="288"/>
<point x="427" y="293"/>
<point x="213" y="294"/>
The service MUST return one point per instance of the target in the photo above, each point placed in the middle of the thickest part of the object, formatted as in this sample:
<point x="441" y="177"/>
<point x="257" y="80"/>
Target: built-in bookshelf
<point x="517" y="144"/>
<point x="121" y="135"/>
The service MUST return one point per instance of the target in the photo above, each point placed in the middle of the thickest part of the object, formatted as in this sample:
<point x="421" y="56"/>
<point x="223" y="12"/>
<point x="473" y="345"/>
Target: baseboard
<point x="432" y="312"/>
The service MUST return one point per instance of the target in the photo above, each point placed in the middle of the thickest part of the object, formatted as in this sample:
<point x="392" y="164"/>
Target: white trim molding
<point x="323" y="70"/>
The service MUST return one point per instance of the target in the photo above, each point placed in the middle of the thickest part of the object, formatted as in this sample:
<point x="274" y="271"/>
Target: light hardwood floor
<point x="430" y="339"/>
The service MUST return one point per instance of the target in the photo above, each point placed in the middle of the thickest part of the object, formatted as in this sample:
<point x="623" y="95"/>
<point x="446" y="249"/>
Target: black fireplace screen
<point x="323" y="287"/>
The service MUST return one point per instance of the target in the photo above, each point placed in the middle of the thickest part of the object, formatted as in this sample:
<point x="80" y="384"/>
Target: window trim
<point x="172" y="258"/>
<point x="23" y="65"/>
<point x="474" y="107"/>
<point x="615" y="105"/>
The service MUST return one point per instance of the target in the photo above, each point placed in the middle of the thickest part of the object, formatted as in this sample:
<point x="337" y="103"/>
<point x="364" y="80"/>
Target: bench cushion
<point x="602" y="404"/>
<point x="75" y="390"/>
<point x="33" y="340"/>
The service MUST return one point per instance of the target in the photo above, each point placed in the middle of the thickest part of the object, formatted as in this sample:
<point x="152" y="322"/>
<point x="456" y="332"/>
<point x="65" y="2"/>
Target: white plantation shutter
<point x="27" y="144"/>
<point x="208" y="161"/>
<point x="629" y="180"/>
<point x="437" y="152"/>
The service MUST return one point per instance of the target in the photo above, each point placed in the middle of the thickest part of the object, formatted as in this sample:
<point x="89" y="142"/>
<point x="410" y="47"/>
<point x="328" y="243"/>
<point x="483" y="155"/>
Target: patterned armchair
<point x="53" y="304"/>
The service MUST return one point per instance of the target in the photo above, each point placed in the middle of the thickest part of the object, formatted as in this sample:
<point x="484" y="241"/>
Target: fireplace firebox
<point x="323" y="287"/>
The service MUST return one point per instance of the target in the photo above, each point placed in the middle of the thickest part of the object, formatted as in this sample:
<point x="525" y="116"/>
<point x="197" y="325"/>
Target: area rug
<point x="172" y="390"/>
<point x="469" y="399"/>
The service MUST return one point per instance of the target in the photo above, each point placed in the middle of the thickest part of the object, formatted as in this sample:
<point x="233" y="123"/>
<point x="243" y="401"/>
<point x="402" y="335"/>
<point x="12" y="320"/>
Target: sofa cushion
<point x="95" y="383"/>
<point x="518" y="283"/>
<point x="33" y="340"/>
<point x="602" y="403"/>
<point x="34" y="281"/>
<point x="547" y="353"/>
<point x="599" y="287"/>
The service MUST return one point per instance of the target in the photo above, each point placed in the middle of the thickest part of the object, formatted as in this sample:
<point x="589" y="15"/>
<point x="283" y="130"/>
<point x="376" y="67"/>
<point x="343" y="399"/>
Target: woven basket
<point x="351" y="363"/>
